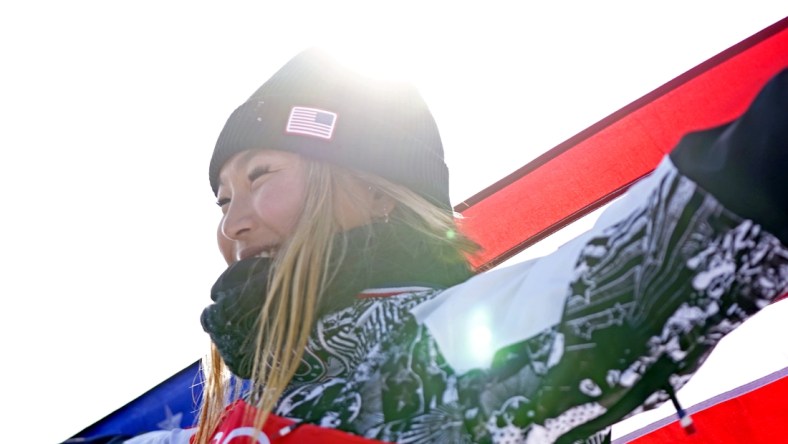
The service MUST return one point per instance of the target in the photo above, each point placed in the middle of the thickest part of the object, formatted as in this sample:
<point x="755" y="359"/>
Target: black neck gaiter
<point x="372" y="256"/>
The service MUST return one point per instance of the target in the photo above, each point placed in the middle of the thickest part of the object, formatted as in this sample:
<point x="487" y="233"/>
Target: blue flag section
<point x="171" y="404"/>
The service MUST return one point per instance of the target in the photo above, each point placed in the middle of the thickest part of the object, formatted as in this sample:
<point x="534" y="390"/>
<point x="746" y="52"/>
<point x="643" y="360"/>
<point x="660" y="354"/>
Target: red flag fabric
<point x="598" y="164"/>
<point x="754" y="413"/>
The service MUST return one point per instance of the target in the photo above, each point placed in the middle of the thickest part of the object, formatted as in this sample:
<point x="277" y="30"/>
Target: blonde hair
<point x="298" y="276"/>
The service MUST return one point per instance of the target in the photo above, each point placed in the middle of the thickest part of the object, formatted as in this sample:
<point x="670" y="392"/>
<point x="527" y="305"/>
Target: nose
<point x="238" y="221"/>
<point x="226" y="246"/>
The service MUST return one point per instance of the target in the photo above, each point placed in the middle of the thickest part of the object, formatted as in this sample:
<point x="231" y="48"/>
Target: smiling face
<point x="262" y="195"/>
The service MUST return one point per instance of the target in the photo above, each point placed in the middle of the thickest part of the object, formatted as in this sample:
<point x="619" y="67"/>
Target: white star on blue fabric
<point x="171" y="421"/>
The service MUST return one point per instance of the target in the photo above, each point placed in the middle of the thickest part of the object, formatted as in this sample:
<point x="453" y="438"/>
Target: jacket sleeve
<point x="704" y="252"/>
<point x="640" y="301"/>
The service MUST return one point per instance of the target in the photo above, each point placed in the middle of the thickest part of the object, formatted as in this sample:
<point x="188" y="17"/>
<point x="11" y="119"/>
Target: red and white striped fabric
<point x="753" y="413"/>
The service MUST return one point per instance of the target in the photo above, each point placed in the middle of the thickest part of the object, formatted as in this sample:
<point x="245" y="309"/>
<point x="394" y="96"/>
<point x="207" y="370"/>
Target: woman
<point x="348" y="306"/>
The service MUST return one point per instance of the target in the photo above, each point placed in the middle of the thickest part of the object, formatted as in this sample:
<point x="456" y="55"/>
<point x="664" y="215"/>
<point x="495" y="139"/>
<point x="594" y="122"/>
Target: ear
<point x="382" y="204"/>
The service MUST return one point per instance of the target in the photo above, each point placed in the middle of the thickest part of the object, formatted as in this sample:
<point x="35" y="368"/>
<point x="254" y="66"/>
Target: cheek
<point x="279" y="204"/>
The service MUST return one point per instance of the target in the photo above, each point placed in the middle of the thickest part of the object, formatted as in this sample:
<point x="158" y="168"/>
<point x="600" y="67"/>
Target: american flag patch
<point x="311" y="122"/>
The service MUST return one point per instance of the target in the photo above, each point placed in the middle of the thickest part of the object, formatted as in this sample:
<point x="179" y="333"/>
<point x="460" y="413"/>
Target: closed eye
<point x="223" y="201"/>
<point x="258" y="172"/>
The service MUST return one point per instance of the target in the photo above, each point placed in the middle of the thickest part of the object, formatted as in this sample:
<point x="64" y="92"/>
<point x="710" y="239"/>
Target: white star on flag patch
<point x="311" y="122"/>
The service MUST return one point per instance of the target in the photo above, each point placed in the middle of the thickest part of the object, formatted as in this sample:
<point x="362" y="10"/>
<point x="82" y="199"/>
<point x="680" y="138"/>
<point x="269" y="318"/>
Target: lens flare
<point x="479" y="338"/>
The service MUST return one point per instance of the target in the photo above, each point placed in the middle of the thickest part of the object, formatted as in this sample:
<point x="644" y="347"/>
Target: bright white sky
<point x="108" y="115"/>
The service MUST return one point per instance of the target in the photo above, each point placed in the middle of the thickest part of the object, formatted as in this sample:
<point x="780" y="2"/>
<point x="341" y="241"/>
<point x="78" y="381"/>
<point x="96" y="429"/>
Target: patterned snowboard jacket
<point x="554" y="349"/>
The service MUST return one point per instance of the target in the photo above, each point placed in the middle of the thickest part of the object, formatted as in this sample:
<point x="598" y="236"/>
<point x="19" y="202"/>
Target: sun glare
<point x="381" y="60"/>
<point x="393" y="48"/>
<point x="479" y="338"/>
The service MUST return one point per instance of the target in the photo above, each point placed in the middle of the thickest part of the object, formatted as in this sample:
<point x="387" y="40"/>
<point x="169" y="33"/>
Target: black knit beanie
<point x="318" y="108"/>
